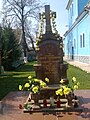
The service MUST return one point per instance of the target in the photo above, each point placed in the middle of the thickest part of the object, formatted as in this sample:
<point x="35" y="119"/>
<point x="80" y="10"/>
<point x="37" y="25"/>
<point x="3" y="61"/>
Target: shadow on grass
<point x="24" y="68"/>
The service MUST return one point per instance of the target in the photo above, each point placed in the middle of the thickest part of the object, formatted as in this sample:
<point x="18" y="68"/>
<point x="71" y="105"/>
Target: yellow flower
<point x="75" y="87"/>
<point x="37" y="49"/>
<point x="30" y="81"/>
<point x="29" y="77"/>
<point x="59" y="92"/>
<point x="63" y="87"/>
<point x="27" y="85"/>
<point x="35" y="89"/>
<point x="41" y="23"/>
<point x="20" y="87"/>
<point x="36" y="80"/>
<point x="46" y="79"/>
<point x="53" y="18"/>
<point x="41" y="36"/>
<point x="67" y="91"/>
<point x="74" y="79"/>
<point x="36" y="42"/>
<point x="50" y="15"/>
<point x="78" y="84"/>
<point x="41" y="18"/>
<point x="62" y="81"/>
<point x="42" y="84"/>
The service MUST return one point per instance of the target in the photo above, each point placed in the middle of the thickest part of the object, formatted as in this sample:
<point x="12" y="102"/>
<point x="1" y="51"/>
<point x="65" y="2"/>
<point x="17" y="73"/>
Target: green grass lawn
<point x="82" y="76"/>
<point x="11" y="80"/>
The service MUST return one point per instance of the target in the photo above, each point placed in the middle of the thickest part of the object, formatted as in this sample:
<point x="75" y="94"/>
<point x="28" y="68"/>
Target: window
<point x="71" y="10"/>
<point x="74" y="43"/>
<point x="82" y="40"/>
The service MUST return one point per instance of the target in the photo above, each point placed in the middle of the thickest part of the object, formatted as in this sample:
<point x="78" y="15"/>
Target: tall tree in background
<point x="20" y="11"/>
<point x="10" y="51"/>
<point x="31" y="34"/>
<point x="0" y="47"/>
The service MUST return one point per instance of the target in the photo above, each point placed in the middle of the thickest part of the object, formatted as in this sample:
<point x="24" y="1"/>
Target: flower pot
<point x="35" y="97"/>
<point x="69" y="100"/>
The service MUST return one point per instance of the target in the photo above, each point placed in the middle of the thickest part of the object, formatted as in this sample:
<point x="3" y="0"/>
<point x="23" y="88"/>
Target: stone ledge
<point x="48" y="109"/>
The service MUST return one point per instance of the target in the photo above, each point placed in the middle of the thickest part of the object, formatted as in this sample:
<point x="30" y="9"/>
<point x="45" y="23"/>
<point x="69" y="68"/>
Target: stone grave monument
<point x="50" y="65"/>
<point x="50" y="54"/>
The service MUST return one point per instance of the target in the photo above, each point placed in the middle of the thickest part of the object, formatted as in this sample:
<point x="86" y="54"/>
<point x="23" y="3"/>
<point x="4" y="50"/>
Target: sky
<point x="59" y="6"/>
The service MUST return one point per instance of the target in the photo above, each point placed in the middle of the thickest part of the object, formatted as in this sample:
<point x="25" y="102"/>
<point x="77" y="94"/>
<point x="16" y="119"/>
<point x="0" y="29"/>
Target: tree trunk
<point x="32" y="42"/>
<point x="24" y="42"/>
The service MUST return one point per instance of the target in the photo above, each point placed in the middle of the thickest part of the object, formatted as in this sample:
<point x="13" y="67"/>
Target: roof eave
<point x="84" y="12"/>
<point x="68" y="5"/>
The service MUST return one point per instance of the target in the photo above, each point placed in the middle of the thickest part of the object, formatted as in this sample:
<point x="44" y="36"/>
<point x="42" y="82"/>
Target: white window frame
<point x="74" y="42"/>
<point x="82" y="40"/>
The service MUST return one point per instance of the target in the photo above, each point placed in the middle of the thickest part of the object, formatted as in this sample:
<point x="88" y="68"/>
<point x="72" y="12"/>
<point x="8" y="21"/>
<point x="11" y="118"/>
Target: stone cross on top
<point x="47" y="17"/>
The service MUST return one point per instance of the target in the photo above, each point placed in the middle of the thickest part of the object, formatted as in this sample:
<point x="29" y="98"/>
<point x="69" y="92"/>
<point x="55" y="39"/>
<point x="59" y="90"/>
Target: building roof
<point x="87" y="7"/>
<point x="79" y="18"/>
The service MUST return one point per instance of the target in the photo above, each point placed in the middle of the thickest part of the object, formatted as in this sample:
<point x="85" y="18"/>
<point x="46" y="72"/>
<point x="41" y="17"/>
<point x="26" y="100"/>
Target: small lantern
<point x="44" y="103"/>
<point x="58" y="103"/>
<point x="51" y="101"/>
<point x="20" y="106"/>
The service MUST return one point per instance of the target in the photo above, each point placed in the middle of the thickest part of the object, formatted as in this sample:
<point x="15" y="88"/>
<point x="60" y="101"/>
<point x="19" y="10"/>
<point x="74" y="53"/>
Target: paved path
<point x="83" y="66"/>
<point x="12" y="112"/>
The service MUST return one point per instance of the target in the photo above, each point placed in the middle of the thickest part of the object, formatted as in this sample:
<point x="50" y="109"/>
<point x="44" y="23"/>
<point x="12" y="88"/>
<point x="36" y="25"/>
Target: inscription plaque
<point x="50" y="57"/>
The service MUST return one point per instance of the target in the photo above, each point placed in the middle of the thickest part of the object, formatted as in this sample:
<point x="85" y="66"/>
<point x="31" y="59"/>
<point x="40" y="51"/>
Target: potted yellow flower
<point x="34" y="85"/>
<point x="68" y="90"/>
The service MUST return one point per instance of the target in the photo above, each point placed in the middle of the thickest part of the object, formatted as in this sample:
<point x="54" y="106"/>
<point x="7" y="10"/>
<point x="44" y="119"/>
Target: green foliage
<point x="10" y="48"/>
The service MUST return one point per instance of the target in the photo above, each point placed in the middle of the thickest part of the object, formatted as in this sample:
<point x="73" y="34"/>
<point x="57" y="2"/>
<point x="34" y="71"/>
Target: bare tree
<point x="30" y="40"/>
<point x="31" y="32"/>
<point x="20" y="11"/>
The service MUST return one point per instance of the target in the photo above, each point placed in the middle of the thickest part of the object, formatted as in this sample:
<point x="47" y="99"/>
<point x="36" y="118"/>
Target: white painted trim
<point x="78" y="20"/>
<point x="81" y="34"/>
<point x="69" y="4"/>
